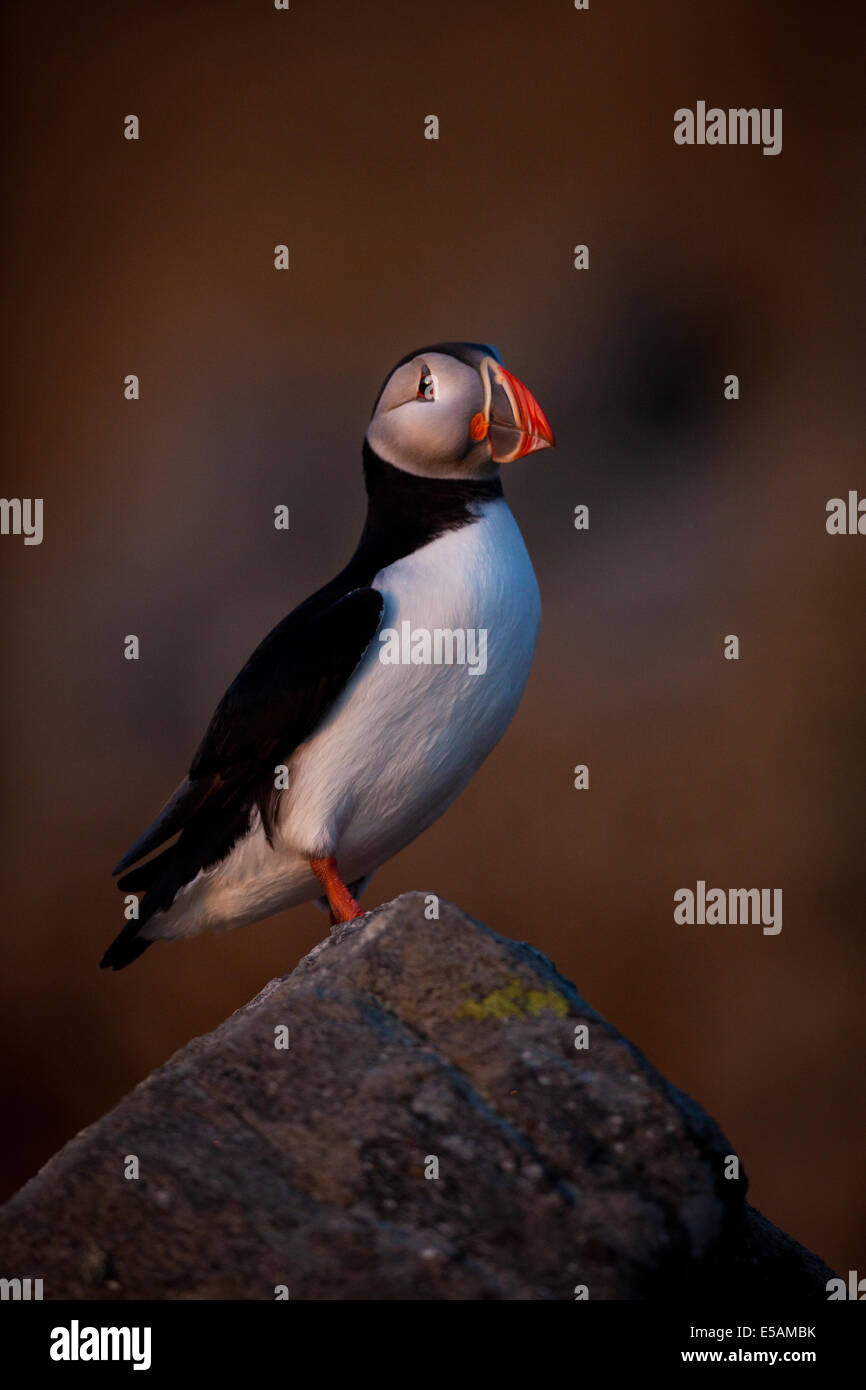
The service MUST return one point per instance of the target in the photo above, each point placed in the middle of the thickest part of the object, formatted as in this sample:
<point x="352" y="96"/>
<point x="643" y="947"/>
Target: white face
<point x="422" y="419"/>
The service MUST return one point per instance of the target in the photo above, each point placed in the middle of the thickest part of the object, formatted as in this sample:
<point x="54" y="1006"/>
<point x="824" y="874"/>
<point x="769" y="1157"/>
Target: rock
<point x="412" y="1043"/>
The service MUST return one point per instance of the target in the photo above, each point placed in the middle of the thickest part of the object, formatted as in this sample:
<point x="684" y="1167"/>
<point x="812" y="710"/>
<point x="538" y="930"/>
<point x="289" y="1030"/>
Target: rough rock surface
<point x="410" y="1041"/>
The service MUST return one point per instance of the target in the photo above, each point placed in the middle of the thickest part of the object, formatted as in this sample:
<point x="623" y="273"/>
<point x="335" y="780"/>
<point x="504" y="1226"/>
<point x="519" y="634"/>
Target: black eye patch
<point x="426" y="385"/>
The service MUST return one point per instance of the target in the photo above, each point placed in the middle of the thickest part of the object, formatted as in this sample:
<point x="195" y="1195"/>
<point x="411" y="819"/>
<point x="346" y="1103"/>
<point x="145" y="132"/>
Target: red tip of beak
<point x="529" y="418"/>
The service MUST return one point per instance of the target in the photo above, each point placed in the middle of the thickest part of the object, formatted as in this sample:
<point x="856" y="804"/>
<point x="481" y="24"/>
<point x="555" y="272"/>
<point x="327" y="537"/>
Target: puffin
<point x="328" y="753"/>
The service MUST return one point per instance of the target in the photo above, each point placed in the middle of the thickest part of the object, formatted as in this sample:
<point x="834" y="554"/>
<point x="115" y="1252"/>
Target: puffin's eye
<point x="426" y="387"/>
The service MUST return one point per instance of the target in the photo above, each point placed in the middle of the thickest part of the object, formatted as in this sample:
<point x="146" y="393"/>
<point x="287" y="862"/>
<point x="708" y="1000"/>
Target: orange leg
<point x="343" y="906"/>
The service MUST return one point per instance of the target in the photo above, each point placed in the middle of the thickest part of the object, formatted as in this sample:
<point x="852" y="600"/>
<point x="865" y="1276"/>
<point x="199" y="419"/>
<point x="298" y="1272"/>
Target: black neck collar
<point x="387" y="486"/>
<point x="405" y="511"/>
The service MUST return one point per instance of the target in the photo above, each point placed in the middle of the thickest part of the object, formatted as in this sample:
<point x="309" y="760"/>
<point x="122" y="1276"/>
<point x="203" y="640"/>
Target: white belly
<point x="401" y="741"/>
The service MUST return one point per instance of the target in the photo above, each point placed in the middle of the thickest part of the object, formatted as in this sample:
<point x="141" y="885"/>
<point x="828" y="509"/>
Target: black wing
<point x="272" y="705"/>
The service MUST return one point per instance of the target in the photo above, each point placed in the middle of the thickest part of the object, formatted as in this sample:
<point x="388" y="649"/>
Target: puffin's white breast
<point x="404" y="739"/>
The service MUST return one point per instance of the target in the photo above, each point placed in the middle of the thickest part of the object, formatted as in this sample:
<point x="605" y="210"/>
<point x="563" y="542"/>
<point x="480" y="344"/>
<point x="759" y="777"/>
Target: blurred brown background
<point x="707" y="517"/>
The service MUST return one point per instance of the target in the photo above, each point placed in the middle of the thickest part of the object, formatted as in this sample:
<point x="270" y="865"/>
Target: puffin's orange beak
<point x="515" y="421"/>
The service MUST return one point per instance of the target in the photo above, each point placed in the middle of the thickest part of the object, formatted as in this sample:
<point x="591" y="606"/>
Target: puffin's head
<point x="453" y="411"/>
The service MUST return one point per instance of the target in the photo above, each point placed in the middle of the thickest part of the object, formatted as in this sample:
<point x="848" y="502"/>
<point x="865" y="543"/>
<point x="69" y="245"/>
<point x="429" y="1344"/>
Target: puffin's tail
<point x="125" y="948"/>
<point x="128" y="945"/>
<point x="205" y="841"/>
